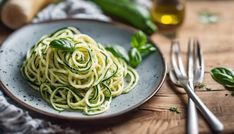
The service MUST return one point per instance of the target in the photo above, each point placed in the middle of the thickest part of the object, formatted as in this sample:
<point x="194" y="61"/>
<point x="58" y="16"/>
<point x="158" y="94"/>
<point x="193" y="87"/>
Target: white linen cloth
<point x="14" y="120"/>
<point x="70" y="9"/>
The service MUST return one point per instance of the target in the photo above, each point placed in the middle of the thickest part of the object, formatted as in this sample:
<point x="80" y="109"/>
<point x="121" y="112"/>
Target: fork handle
<point x="192" y="122"/>
<point x="214" y="122"/>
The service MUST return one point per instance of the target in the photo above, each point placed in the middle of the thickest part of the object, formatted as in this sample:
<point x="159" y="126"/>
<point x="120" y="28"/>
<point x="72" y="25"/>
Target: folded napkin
<point x="14" y="120"/>
<point x="76" y="9"/>
<point x="71" y="9"/>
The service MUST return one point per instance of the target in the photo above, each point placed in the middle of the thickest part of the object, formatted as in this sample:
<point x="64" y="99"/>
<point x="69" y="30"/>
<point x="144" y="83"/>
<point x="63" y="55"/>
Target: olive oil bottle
<point x="168" y="14"/>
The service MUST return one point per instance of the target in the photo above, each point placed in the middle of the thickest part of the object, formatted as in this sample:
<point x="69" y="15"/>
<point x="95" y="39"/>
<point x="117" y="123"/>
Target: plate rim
<point x="91" y="118"/>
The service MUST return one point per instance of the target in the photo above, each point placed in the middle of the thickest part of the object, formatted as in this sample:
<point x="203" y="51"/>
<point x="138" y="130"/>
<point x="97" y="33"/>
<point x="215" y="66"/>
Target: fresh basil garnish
<point x="118" y="51"/>
<point x="139" y="48"/>
<point x="223" y="76"/>
<point x="138" y="39"/>
<point x="146" y="49"/>
<point x="63" y="44"/>
<point x="134" y="57"/>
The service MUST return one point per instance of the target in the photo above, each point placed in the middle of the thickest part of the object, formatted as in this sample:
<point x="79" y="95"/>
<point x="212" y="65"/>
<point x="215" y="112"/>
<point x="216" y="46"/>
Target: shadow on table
<point x="88" y="126"/>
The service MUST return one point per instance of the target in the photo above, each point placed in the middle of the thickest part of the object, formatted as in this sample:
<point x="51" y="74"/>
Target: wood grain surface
<point x="153" y="117"/>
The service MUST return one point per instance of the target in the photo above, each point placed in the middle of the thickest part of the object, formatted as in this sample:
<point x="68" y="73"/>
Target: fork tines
<point x="195" y="61"/>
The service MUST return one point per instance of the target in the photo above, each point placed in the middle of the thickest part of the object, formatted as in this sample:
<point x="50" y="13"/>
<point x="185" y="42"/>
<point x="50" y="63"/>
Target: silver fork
<point x="192" y="122"/>
<point x="193" y="77"/>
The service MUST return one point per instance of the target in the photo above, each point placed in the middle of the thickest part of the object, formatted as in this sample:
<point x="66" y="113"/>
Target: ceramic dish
<point x="152" y="71"/>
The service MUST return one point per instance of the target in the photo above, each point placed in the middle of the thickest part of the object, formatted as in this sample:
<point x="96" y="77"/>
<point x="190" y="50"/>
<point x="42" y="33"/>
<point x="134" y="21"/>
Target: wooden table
<point x="154" y="117"/>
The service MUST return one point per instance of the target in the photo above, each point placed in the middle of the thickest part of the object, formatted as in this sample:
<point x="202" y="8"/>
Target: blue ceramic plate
<point x="152" y="71"/>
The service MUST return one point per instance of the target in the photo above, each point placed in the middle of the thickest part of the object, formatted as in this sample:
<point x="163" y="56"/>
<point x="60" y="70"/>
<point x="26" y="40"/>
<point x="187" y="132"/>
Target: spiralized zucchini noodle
<point x="85" y="79"/>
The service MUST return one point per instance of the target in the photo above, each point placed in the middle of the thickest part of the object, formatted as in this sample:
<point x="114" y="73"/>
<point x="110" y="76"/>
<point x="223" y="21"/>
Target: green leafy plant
<point x="135" y="57"/>
<point x="118" y="51"/>
<point x="223" y="76"/>
<point x="139" y="41"/>
<point x="140" y="47"/>
<point x="63" y="44"/>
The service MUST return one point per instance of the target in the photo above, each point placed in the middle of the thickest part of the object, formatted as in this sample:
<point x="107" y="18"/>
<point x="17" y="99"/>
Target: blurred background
<point x="151" y="16"/>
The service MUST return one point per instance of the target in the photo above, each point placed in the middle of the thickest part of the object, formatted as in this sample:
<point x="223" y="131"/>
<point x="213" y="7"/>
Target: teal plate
<point x="152" y="71"/>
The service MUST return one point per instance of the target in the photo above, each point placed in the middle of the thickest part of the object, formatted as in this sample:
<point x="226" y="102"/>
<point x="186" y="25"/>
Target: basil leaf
<point x="138" y="39"/>
<point x="63" y="44"/>
<point x="146" y="49"/>
<point x="223" y="76"/>
<point x="139" y="48"/>
<point x="222" y="70"/>
<point x="118" y="51"/>
<point x="134" y="57"/>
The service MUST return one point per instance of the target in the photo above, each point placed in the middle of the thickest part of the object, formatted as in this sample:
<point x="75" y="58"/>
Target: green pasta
<point x="84" y="77"/>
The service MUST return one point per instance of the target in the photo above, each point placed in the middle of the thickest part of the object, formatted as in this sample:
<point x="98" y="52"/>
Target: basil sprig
<point x="223" y="76"/>
<point x="63" y="44"/>
<point x="139" y="41"/>
<point x="139" y="48"/>
<point x="135" y="57"/>
<point x="118" y="51"/>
